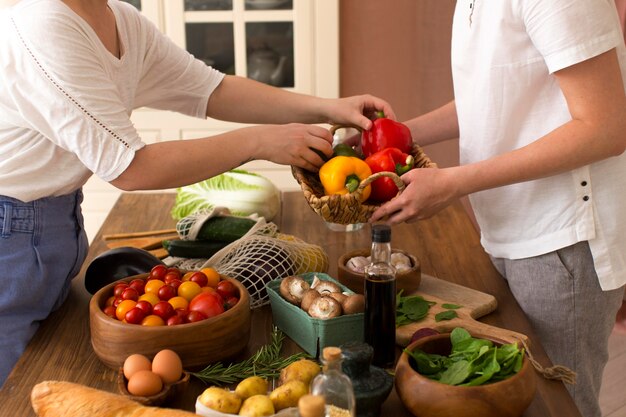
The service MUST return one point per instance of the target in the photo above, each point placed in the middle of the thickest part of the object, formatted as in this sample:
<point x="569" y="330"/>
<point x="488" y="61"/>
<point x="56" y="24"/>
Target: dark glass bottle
<point x="380" y="299"/>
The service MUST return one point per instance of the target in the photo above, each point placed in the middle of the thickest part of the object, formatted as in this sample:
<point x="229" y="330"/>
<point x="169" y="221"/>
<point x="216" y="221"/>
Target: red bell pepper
<point x="392" y="160"/>
<point x="386" y="133"/>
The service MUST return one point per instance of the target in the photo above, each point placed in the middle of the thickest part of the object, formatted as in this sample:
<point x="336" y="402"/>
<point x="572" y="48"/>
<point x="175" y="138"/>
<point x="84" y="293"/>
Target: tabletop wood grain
<point x="447" y="246"/>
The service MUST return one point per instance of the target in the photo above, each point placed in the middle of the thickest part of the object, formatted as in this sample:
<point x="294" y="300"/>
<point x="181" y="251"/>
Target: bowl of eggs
<point x="351" y="270"/>
<point x="203" y="322"/>
<point x="152" y="382"/>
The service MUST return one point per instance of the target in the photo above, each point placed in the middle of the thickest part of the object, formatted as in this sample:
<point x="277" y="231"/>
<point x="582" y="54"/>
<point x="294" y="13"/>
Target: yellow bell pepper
<point x="343" y="174"/>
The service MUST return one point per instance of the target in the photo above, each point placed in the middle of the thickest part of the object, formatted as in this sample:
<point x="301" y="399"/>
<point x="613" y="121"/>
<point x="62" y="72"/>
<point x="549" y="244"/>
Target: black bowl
<point x="116" y="264"/>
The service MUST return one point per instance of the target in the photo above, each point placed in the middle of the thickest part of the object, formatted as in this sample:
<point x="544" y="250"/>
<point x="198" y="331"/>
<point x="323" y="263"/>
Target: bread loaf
<point x="67" y="399"/>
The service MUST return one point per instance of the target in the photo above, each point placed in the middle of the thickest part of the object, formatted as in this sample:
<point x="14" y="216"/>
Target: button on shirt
<point x="503" y="57"/>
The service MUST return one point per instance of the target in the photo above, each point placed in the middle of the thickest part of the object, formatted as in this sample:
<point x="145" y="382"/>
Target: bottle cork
<point x="331" y="353"/>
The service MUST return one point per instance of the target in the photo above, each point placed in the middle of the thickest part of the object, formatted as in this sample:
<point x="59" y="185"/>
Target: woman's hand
<point x="293" y="144"/>
<point x="428" y="190"/>
<point x="356" y="111"/>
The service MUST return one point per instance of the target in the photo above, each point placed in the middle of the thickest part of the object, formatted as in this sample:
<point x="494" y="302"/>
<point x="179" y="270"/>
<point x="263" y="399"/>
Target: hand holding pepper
<point x="392" y="160"/>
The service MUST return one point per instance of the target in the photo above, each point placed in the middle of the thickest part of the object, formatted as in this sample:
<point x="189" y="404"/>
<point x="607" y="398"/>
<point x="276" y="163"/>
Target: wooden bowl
<point x="428" y="398"/>
<point x="408" y="281"/>
<point x="168" y="392"/>
<point x="197" y="344"/>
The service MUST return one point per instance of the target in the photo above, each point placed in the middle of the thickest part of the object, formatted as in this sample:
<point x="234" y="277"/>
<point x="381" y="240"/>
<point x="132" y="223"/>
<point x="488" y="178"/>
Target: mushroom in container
<point x="325" y="307"/>
<point x="292" y="289"/>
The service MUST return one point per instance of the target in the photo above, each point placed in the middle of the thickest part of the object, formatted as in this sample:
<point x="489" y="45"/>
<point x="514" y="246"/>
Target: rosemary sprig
<point x="266" y="363"/>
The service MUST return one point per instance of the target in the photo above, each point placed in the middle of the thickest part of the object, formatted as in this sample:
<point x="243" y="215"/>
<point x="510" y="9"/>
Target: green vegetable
<point x="446" y="315"/>
<point x="411" y="308"/>
<point x="342" y="149"/>
<point x="450" y="306"/>
<point x="225" y="228"/>
<point x="242" y="192"/>
<point x="471" y="362"/>
<point x="193" y="248"/>
<point x="266" y="363"/>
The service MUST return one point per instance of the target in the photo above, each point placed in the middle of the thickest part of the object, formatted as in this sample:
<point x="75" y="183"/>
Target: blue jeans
<point x="42" y="247"/>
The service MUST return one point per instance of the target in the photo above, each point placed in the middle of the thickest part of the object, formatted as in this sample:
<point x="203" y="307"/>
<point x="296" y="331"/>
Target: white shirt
<point x="507" y="98"/>
<point x="65" y="100"/>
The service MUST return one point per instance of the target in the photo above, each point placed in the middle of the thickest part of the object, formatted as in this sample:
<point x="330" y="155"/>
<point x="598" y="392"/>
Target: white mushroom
<point x="309" y="296"/>
<point x="293" y="288"/>
<point x="324" y="287"/>
<point x="325" y="307"/>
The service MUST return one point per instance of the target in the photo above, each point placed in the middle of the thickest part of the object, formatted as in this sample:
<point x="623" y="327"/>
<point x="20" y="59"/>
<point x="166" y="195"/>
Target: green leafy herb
<point x="266" y="363"/>
<point x="471" y="362"/>
<point x="411" y="308"/>
<point x="450" y="306"/>
<point x="446" y="315"/>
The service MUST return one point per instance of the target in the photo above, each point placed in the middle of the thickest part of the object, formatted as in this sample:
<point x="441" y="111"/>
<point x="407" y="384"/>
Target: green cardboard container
<point x="309" y="333"/>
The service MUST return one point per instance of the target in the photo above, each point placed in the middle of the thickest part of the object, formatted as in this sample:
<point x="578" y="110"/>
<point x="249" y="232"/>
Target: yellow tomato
<point x="150" y="297"/>
<point x="187" y="276"/>
<point x="153" y="286"/>
<point x="188" y="290"/>
<point x="123" y="307"/>
<point x="178" y="302"/>
<point x="212" y="275"/>
<point x="152" y="320"/>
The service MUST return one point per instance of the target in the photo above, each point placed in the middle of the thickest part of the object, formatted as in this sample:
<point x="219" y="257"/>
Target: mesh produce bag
<point x="261" y="256"/>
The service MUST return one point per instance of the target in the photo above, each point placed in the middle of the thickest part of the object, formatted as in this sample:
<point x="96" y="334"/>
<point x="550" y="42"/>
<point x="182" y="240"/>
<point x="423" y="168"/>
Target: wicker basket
<point x="347" y="208"/>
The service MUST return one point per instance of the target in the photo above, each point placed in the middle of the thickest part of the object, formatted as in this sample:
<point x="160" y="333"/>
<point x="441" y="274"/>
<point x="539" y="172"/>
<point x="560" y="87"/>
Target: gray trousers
<point x="571" y="315"/>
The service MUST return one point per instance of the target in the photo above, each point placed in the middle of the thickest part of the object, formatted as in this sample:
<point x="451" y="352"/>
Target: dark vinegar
<point x="380" y="319"/>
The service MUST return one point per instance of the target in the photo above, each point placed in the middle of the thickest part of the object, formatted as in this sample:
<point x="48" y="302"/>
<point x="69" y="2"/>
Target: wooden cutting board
<point x="474" y="304"/>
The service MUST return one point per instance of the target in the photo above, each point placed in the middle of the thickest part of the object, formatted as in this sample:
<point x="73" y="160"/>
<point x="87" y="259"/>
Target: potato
<point x="288" y="394"/>
<point x="220" y="399"/>
<point x="254" y="385"/>
<point x="257" y="406"/>
<point x="302" y="370"/>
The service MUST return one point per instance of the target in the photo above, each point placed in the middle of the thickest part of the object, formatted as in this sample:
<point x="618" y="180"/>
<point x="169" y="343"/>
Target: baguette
<point x="67" y="399"/>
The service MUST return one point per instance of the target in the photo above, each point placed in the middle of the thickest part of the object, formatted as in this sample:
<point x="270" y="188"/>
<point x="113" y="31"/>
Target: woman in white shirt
<point x="540" y="111"/>
<point x="71" y="72"/>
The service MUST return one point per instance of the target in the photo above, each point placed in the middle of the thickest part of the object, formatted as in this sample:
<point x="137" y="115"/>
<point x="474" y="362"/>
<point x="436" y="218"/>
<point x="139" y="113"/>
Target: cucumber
<point x="192" y="248"/>
<point x="225" y="228"/>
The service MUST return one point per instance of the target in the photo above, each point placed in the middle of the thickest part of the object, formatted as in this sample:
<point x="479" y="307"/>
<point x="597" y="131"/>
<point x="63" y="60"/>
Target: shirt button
<point x="585" y="198"/>
<point x="584" y="183"/>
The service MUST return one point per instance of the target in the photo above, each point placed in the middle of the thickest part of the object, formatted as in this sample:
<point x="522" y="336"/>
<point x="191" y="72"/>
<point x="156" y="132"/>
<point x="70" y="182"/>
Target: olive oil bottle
<point x="380" y="299"/>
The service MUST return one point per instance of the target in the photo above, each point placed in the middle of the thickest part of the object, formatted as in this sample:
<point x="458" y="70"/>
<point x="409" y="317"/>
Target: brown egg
<point x="145" y="383"/>
<point x="134" y="363"/>
<point x="167" y="365"/>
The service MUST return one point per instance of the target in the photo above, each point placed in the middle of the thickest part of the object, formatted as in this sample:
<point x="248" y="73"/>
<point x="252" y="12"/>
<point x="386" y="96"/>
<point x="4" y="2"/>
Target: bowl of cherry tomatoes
<point x="202" y="315"/>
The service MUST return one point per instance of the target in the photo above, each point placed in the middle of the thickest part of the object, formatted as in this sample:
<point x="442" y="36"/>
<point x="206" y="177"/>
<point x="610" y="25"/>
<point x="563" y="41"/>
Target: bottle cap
<point x="310" y="405"/>
<point x="331" y="353"/>
<point x="381" y="233"/>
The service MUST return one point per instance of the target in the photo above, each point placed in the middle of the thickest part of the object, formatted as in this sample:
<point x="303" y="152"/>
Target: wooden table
<point x="447" y="246"/>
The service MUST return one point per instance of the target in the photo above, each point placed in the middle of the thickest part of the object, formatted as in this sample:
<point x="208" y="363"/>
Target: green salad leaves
<point x="471" y="362"/>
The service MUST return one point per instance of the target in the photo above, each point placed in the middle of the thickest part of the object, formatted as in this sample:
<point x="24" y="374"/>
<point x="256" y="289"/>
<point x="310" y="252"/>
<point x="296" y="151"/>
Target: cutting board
<point x="154" y="245"/>
<point x="474" y="304"/>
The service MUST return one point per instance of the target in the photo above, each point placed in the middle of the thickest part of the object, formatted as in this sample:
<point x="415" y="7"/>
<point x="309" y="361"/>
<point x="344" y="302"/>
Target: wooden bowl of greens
<point x="463" y="375"/>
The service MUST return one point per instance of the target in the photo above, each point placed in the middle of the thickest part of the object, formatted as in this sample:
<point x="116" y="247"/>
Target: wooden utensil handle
<point x="477" y="327"/>
<point x="138" y="234"/>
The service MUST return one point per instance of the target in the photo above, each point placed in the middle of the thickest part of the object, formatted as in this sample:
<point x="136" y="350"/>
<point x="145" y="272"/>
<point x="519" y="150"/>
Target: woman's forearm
<point x="435" y="126"/>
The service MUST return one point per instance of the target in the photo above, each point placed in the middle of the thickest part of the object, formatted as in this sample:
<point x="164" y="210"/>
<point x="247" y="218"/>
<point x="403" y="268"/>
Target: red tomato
<point x="199" y="278"/>
<point x="145" y="306"/>
<point x="117" y="301"/>
<point x="171" y="276"/>
<point x="175" y="283"/>
<point x="138" y="284"/>
<point x="163" y="309"/>
<point x="135" y="315"/>
<point x="174" y="320"/>
<point x="166" y="292"/>
<point x="130" y="294"/>
<point x="118" y="289"/>
<point x="209" y="304"/>
<point x="231" y="302"/>
<point x="109" y="311"/>
<point x="182" y="313"/>
<point x="195" y="316"/>
<point x="158" y="272"/>
<point x="226" y="289"/>
<point x="175" y="270"/>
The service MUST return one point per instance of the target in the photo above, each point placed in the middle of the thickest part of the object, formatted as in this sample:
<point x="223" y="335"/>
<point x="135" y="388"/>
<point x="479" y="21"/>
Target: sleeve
<point x="61" y="88"/>
<point x="567" y="32"/>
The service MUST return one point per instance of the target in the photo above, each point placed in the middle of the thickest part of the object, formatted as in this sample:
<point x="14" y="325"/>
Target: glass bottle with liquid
<point x="334" y="385"/>
<point x="380" y="299"/>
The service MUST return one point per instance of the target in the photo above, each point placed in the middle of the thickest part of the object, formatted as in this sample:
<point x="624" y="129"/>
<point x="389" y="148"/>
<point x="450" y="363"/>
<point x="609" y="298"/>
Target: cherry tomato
<point x="130" y="294"/>
<point x="158" y="272"/>
<point x="118" y="289"/>
<point x="199" y="278"/>
<point x="109" y="301"/>
<point x="145" y="306"/>
<point x="187" y="276"/>
<point x="152" y="320"/>
<point x="117" y="301"/>
<point x="231" y="302"/>
<point x="212" y="275"/>
<point x="163" y="309"/>
<point x="195" y="316"/>
<point x="226" y="289"/>
<point x="175" y="283"/>
<point x="123" y="308"/>
<point x="174" y="270"/>
<point x="135" y="315"/>
<point x="153" y="285"/>
<point x="138" y="284"/>
<point x="174" y="320"/>
<point x="189" y="289"/>
<point x="109" y="311"/>
<point x="150" y="297"/>
<point x="208" y="304"/>
<point x="182" y="312"/>
<point x="178" y="302"/>
<point x="166" y="292"/>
